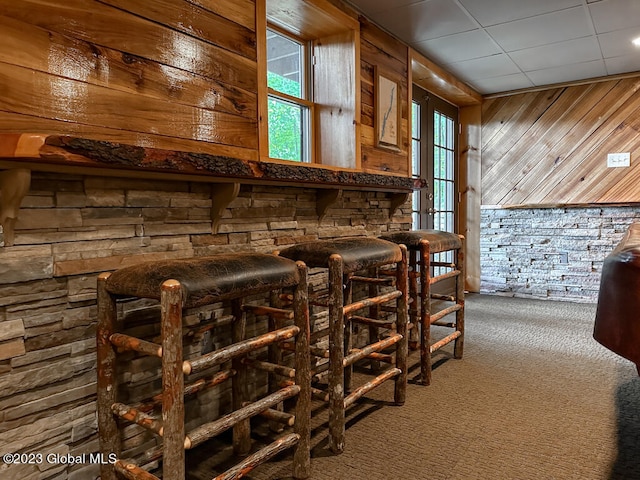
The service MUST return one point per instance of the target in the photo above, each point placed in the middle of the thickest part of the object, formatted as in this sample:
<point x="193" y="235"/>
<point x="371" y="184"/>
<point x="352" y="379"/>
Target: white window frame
<point x="306" y="106"/>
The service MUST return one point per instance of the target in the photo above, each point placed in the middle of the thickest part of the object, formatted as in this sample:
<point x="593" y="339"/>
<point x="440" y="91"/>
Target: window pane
<point x="284" y="64"/>
<point x="286" y="127"/>
<point x="415" y="161"/>
<point x="450" y="133"/>
<point x="415" y="221"/>
<point x="444" y="194"/>
<point x="437" y="162"/>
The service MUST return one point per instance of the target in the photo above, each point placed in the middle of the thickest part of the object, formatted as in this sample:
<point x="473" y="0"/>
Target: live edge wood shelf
<point x="22" y="153"/>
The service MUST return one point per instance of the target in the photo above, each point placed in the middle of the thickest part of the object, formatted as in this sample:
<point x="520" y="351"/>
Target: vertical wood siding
<point x="550" y="147"/>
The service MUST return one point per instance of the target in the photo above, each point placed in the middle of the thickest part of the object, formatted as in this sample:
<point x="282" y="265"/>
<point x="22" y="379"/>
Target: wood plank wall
<point x="391" y="57"/>
<point x="550" y="146"/>
<point x="169" y="74"/>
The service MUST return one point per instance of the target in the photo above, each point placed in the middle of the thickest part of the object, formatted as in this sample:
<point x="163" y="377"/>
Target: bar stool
<point x="183" y="284"/>
<point x="344" y="257"/>
<point x="421" y="245"/>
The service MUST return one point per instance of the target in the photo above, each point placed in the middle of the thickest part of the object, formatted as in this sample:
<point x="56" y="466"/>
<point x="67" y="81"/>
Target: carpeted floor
<point x="535" y="397"/>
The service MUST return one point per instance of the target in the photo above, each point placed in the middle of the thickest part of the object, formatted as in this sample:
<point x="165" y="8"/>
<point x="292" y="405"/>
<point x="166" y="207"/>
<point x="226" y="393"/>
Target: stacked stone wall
<point x="550" y="253"/>
<point x="71" y="228"/>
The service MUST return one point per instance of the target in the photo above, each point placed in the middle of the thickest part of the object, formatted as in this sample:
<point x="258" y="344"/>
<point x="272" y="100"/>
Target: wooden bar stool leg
<point x="275" y="355"/>
<point x="336" y="355"/>
<point x="109" y="436"/>
<point x="374" y="312"/>
<point x="415" y="298"/>
<point x="460" y="279"/>
<point x="425" y="313"/>
<point x="348" y="330"/>
<point x="302" y="426"/>
<point x="172" y="381"/>
<point x="402" y="319"/>
<point x="239" y="387"/>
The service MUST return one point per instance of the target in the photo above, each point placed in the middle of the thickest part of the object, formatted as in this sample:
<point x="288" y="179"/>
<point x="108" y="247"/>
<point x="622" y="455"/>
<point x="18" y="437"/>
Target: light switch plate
<point x="619" y="159"/>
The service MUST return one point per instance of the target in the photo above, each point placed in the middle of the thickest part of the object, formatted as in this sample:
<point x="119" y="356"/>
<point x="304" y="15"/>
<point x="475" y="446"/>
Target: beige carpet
<point x="535" y="397"/>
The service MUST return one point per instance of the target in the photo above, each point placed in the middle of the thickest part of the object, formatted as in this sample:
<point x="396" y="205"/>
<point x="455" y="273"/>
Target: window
<point x="308" y="111"/>
<point x="289" y="110"/>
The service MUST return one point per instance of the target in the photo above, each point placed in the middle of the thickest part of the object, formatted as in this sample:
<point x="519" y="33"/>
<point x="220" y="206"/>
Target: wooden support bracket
<point x="397" y="200"/>
<point x="222" y="194"/>
<point x="324" y="199"/>
<point x="14" y="185"/>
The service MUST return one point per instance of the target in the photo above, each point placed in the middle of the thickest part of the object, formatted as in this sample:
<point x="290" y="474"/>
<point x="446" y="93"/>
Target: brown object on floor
<point x="182" y="284"/>
<point x="617" y="324"/>
<point x="421" y="244"/>
<point x="343" y="258"/>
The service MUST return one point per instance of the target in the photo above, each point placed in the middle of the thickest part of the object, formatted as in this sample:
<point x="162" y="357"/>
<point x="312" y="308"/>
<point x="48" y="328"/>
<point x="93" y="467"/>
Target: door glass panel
<point x="444" y="178"/>
<point x="416" y="171"/>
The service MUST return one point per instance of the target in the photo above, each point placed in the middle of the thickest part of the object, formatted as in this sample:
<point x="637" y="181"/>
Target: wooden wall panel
<point x="71" y="101"/>
<point x="31" y="47"/>
<point x="241" y="12"/>
<point x="550" y="147"/>
<point x="103" y="25"/>
<point x="335" y="113"/>
<point x="391" y="57"/>
<point x="194" y="21"/>
<point x="167" y="74"/>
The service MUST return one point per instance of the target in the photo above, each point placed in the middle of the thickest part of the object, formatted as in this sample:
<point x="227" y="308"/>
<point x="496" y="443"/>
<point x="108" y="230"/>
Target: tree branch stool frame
<point x="181" y="284"/>
<point x="421" y="244"/>
<point x="343" y="258"/>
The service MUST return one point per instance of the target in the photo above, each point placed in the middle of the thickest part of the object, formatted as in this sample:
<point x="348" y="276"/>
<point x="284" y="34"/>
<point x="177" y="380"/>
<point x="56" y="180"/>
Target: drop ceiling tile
<point x="493" y="12"/>
<point x="485" y="67"/>
<point x="542" y="29"/>
<point x="622" y="64"/>
<point x="543" y="37"/>
<point x="425" y="20"/>
<point x="567" y="73"/>
<point x="557" y="54"/>
<point x="503" y="83"/>
<point x="627" y="14"/>
<point x="458" y="47"/>
<point x="614" y="44"/>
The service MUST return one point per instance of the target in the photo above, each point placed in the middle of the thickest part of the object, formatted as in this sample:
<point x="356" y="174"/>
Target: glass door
<point x="434" y="157"/>
<point x="435" y="150"/>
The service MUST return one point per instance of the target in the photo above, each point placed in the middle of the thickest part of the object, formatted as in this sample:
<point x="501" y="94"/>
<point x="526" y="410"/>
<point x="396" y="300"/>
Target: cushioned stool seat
<point x="425" y="272"/>
<point x="358" y="253"/>
<point x="344" y="257"/>
<point x="438" y="241"/>
<point x="224" y="280"/>
<point x="207" y="278"/>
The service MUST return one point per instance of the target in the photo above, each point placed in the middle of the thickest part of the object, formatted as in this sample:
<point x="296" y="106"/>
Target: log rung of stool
<point x="422" y="244"/>
<point x="182" y="284"/>
<point x="345" y="259"/>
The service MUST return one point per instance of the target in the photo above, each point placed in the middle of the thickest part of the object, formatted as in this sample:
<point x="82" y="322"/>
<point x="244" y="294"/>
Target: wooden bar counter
<point x="22" y="153"/>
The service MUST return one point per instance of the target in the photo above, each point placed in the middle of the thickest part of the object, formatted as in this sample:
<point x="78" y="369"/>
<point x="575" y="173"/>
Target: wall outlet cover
<point x="619" y="159"/>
